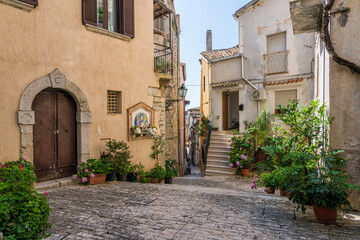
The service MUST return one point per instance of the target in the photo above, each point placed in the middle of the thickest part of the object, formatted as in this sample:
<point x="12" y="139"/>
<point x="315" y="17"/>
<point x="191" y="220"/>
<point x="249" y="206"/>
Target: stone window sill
<point x="106" y="32"/>
<point x="20" y="5"/>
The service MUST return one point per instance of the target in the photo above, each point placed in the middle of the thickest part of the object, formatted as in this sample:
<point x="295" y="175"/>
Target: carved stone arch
<point x="26" y="117"/>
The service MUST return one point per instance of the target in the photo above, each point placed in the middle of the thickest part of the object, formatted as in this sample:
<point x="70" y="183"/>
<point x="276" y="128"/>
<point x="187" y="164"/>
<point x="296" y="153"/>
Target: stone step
<point x="217" y="157"/>
<point x="217" y="151"/>
<point x="220" y="168"/>
<point x="220" y="147"/>
<point x="217" y="173"/>
<point x="219" y="143"/>
<point x="218" y="162"/>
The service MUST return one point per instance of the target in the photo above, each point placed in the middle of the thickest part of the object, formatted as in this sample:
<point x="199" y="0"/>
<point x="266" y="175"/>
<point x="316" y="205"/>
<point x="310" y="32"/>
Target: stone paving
<point x="193" y="208"/>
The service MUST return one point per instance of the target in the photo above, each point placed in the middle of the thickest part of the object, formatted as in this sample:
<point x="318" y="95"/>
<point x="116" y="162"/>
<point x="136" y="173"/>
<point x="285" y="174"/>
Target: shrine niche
<point x="140" y="116"/>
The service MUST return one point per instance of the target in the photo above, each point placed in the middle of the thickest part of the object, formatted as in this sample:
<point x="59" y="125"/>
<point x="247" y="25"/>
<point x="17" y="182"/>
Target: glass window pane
<point x="100" y="16"/>
<point x="112" y="15"/>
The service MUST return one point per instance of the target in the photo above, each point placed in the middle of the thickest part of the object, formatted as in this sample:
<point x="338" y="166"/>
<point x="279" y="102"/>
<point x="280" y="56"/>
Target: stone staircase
<point x="217" y="161"/>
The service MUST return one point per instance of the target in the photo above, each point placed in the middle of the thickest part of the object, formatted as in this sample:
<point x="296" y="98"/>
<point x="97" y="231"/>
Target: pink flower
<point x="0" y="180"/>
<point x="24" y="157"/>
<point x="86" y="170"/>
<point x="253" y="186"/>
<point x="74" y="176"/>
<point x="238" y="163"/>
<point x="242" y="156"/>
<point x="254" y="181"/>
<point x="84" y="179"/>
<point x="231" y="165"/>
<point x="240" y="148"/>
<point x="245" y="158"/>
<point x="266" y="189"/>
<point x="92" y="175"/>
<point x="21" y="168"/>
<point x="3" y="166"/>
<point x="228" y="148"/>
<point x="256" y="176"/>
<point x="240" y="166"/>
<point x="228" y="157"/>
<point x="45" y="193"/>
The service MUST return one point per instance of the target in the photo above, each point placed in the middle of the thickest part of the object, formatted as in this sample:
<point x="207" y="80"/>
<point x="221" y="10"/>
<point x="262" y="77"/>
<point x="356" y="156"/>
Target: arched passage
<point x="26" y="116"/>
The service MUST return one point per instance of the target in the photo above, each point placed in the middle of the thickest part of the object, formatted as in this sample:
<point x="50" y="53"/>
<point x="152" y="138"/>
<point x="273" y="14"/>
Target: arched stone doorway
<point x="26" y="115"/>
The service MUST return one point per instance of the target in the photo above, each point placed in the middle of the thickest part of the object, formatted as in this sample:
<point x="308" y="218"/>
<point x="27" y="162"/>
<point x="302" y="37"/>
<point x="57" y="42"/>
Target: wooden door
<point x="54" y="135"/>
<point x="225" y="105"/>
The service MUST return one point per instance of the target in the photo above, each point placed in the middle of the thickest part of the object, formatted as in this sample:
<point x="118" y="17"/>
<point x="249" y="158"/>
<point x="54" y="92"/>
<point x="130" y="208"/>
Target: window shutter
<point x="32" y="2"/>
<point x="128" y="19"/>
<point x="89" y="12"/>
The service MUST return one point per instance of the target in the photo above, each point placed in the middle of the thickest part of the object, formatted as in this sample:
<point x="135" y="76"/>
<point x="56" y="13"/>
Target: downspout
<point x="241" y="52"/>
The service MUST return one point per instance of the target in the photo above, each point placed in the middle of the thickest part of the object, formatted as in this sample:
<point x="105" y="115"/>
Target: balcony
<point x="163" y="59"/>
<point x="276" y="62"/>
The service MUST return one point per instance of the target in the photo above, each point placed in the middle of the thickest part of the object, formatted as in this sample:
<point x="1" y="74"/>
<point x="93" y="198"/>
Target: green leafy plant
<point x="92" y="167"/>
<point x="171" y="168"/>
<point x="142" y="175"/>
<point x="158" y="147"/>
<point x="120" y="156"/>
<point x="241" y="150"/>
<point x="24" y="213"/>
<point x="157" y="172"/>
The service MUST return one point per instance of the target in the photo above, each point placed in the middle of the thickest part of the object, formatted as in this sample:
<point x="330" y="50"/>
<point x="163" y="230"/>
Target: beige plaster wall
<point x="226" y="70"/>
<point x="52" y="36"/>
<point x="345" y="90"/>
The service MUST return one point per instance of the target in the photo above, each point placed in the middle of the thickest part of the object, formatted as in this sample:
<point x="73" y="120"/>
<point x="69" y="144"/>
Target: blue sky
<point x="197" y="16"/>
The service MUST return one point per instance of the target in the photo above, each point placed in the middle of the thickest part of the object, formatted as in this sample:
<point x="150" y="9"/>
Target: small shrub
<point x="24" y="213"/>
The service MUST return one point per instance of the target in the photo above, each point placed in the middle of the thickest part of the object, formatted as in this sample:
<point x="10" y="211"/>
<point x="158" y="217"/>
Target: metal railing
<point x="163" y="59"/>
<point x="276" y="62"/>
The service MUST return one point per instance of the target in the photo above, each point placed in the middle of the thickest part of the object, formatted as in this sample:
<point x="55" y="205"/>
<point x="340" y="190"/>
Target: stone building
<point x="269" y="66"/>
<point x="74" y="74"/>
<point x="335" y="84"/>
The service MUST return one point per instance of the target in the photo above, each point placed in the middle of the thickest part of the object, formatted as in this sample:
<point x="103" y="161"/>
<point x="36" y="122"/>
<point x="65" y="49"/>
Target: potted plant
<point x="94" y="171"/>
<point x="119" y="157"/>
<point x="269" y="182"/>
<point x="171" y="170"/>
<point x="133" y="172"/>
<point x="157" y="174"/>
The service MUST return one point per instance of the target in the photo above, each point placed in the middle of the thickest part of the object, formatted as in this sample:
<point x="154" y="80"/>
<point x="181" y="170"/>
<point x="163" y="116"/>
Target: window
<point x="283" y="97"/>
<point x="160" y="24"/>
<point x="276" y="57"/>
<point x="113" y="102"/>
<point x="204" y="83"/>
<point x="113" y="15"/>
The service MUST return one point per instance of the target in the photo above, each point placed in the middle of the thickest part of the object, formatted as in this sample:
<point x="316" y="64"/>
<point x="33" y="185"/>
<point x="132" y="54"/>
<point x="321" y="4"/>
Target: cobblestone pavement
<point x="194" y="208"/>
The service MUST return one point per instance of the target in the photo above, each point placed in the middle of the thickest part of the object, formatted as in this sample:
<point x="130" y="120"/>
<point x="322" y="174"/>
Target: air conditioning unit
<point x="258" y="95"/>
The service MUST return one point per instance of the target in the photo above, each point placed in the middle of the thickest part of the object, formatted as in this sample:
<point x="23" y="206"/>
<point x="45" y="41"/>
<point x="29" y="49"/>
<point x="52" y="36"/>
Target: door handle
<point x="56" y="132"/>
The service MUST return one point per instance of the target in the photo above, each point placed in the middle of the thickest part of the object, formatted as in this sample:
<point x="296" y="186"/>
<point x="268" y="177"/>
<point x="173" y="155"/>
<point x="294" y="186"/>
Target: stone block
<point x="26" y="117"/>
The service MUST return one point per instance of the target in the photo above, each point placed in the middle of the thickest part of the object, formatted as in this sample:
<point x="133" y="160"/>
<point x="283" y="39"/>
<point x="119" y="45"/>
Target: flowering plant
<point x="203" y="126"/>
<point x="241" y="150"/>
<point x="92" y="167"/>
<point x="151" y="130"/>
<point x="24" y="212"/>
<point x="137" y="131"/>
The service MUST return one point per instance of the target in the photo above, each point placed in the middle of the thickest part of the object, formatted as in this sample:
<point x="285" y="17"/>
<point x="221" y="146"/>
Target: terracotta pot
<point x="245" y="172"/>
<point x="325" y="214"/>
<point x="97" y="179"/>
<point x="261" y="157"/>
<point x="162" y="181"/>
<point x="153" y="180"/>
<point x="271" y="190"/>
<point x="283" y="192"/>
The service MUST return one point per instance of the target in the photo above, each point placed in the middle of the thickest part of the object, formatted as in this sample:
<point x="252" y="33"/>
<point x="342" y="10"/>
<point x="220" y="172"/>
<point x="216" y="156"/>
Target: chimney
<point x="208" y="40"/>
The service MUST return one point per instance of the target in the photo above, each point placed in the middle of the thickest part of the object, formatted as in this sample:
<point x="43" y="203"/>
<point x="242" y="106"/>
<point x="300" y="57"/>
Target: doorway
<point x="230" y="110"/>
<point x="54" y="134"/>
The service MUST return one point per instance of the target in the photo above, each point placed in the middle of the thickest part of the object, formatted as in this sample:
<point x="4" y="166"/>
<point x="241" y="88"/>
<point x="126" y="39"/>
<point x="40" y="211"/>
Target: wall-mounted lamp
<point x="182" y="91"/>
<point x="241" y="107"/>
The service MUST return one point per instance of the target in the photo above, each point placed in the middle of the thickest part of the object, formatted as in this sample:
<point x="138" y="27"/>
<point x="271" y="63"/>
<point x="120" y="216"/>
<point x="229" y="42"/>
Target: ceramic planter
<point x="245" y="172"/>
<point x="111" y="176"/>
<point x="169" y="180"/>
<point x="121" y="177"/>
<point x="131" y="177"/>
<point x="325" y="214"/>
<point x="97" y="179"/>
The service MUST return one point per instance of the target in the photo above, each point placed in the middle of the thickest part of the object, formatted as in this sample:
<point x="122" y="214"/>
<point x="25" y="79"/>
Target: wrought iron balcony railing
<point x="163" y="59"/>
<point x="276" y="62"/>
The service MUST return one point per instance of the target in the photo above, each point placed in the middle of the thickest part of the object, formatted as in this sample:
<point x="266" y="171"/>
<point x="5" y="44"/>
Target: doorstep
<point x="55" y="183"/>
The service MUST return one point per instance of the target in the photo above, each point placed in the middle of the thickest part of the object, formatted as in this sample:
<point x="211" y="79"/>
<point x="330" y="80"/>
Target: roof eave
<point x="245" y="7"/>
